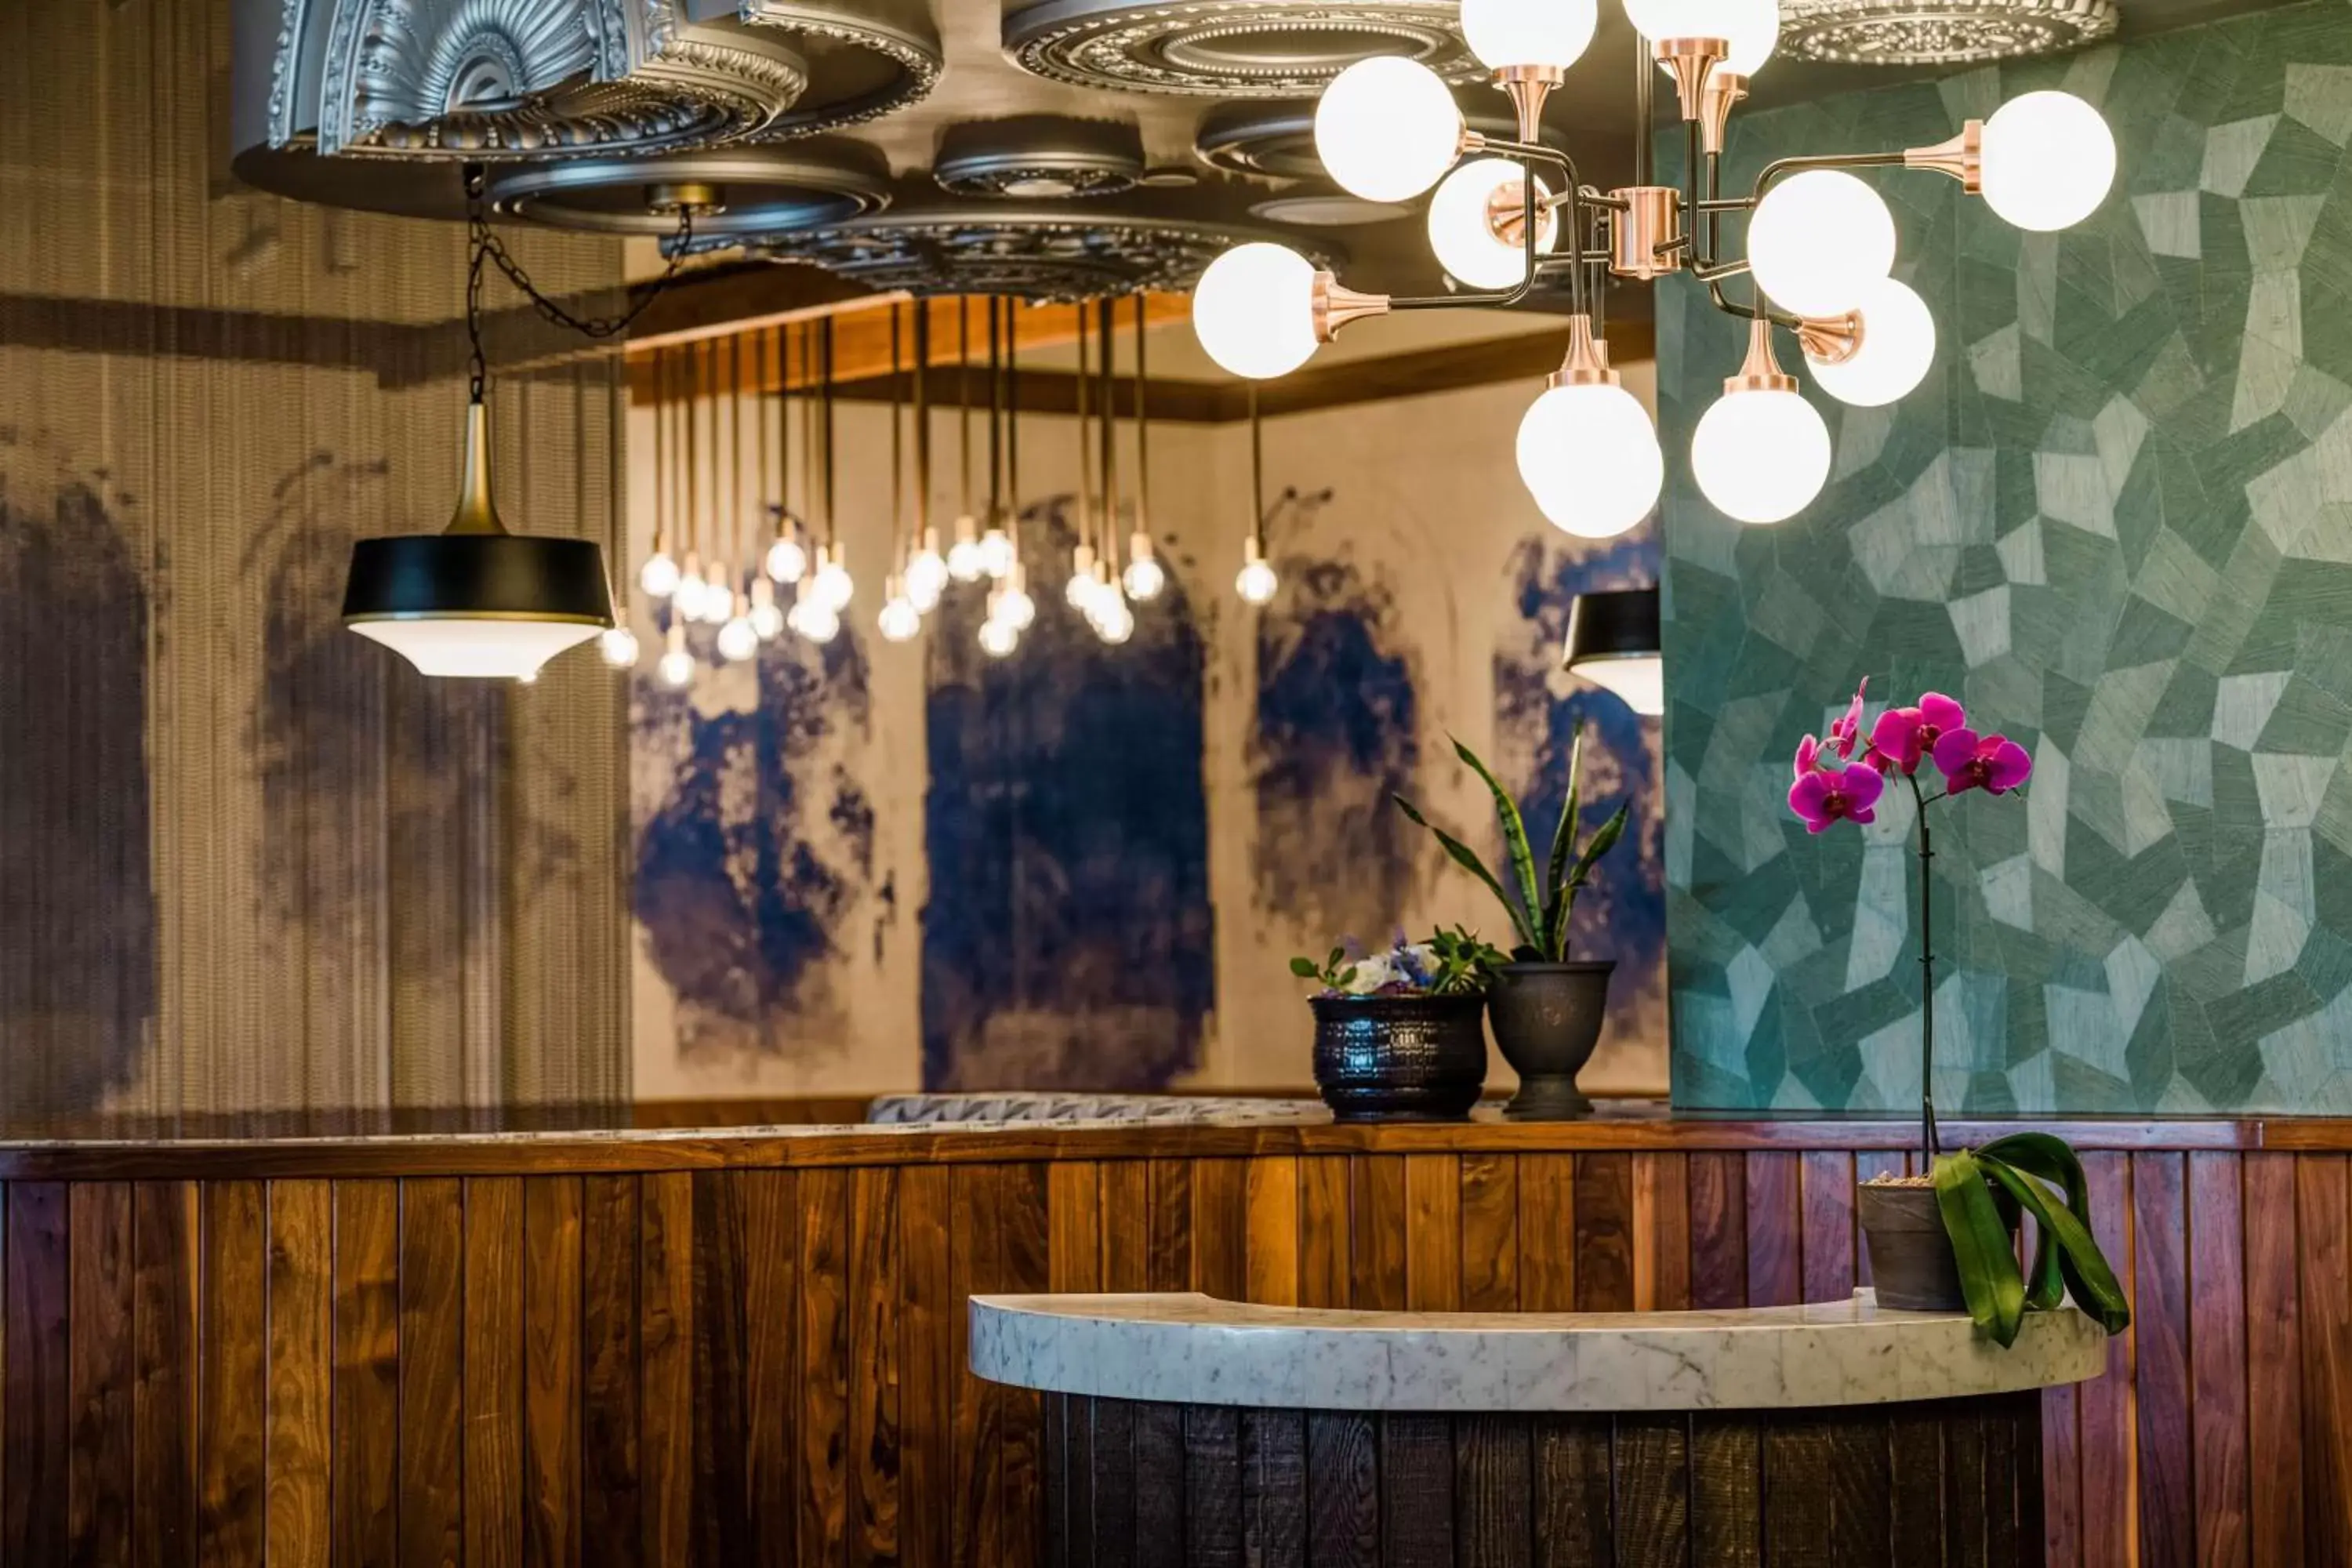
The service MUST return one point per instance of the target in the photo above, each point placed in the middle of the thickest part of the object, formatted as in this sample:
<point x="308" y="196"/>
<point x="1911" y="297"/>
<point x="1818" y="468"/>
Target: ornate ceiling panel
<point x="1230" y="49"/>
<point x="735" y="191"/>
<point x="1941" y="32"/>
<point x="1036" y="157"/>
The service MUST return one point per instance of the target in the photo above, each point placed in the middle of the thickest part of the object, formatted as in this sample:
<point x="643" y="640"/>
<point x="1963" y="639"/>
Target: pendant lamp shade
<point x="474" y="600"/>
<point x="1612" y="642"/>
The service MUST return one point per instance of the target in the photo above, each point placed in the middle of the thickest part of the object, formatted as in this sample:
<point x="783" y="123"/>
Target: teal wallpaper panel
<point x="2117" y="522"/>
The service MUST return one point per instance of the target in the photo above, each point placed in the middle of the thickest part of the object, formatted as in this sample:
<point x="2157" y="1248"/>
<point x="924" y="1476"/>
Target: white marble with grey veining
<point x="1193" y="1350"/>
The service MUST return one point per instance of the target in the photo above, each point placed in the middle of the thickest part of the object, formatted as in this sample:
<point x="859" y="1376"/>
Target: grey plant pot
<point x="1548" y="1019"/>
<point x="1399" y="1059"/>
<point x="1912" y="1264"/>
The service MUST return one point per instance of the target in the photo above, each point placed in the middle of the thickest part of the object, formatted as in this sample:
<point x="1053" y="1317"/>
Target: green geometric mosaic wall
<point x="2117" y="522"/>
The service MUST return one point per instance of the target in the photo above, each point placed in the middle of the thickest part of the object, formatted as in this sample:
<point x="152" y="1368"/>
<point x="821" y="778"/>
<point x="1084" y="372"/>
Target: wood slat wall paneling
<point x="1343" y="1489"/>
<point x="976" y="1251"/>
<point x="1171" y="1247"/>
<point x="724" y="1507"/>
<point x="2220" y="1366"/>
<point x="2104" y="1413"/>
<point x="1025" y="1267"/>
<point x="431" y="1251"/>
<point x="1798" y="1515"/>
<point x="1126" y="1224"/>
<point x="1160" y="1501"/>
<point x="874" y="1350"/>
<point x="100" y="1243"/>
<point x="611" y="1521"/>
<point x="367" y="1373"/>
<point x="1774" y="1230"/>
<point x="1718" y="1230"/>
<point x="1571" y="1463"/>
<point x="1825" y="1181"/>
<point x="666" y="1331"/>
<point x="1432" y="1233"/>
<point x="771" y="1212"/>
<point x="1274" y="1476"/>
<point x="163" y="1410"/>
<point x="554" y="1339"/>
<point x="1221" y="1227"/>
<point x="1326" y="1248"/>
<point x="1662" y="1239"/>
<point x="2167" y="1502"/>
<point x="1726" y="1483"/>
<point x="1074" y="1224"/>
<point x="1492" y="1491"/>
<point x="232" y="1501"/>
<point x="2323" y="1213"/>
<point x="1376" y="1237"/>
<point x="1213" y="1488"/>
<point x="824" y="1379"/>
<point x="1271" y="1240"/>
<point x="299" y="1532"/>
<point x="34" y="1429"/>
<point x="2274" y="1394"/>
<point x="1604" y="1233"/>
<point x="927" y="1371"/>
<point x="1416" y="1479"/>
<point x="1489" y="1209"/>
<point x="494" y="1357"/>
<point x="1652" y="1457"/>
<point x="1547" y="1185"/>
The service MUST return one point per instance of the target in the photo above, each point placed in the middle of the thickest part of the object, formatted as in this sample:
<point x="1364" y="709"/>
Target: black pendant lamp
<point x="1612" y="642"/>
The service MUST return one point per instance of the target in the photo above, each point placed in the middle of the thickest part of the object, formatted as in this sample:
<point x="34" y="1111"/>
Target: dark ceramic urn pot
<point x="1548" y="1019"/>
<point x="1912" y="1264"/>
<point x="1399" y="1059"/>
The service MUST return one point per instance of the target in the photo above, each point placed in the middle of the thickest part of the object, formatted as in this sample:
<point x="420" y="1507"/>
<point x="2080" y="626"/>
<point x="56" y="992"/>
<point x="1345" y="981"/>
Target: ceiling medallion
<point x="867" y="58"/>
<point x="1277" y="140"/>
<point x="1941" y="32"/>
<point x="1039" y="158"/>
<point x="733" y="190"/>
<point x="1045" y="254"/>
<point x="1230" y="49"/>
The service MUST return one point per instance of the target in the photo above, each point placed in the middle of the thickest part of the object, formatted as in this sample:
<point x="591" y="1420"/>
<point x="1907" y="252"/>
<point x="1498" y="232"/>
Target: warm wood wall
<point x="683" y="1350"/>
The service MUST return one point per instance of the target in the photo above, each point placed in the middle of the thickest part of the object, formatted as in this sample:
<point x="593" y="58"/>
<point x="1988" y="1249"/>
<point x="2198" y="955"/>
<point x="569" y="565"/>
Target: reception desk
<point x="1831" y="1433"/>
<point x="365" y="1342"/>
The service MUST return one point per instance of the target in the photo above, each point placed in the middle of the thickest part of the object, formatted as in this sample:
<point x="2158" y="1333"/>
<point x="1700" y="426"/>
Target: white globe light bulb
<point x="927" y="579"/>
<point x="686" y="598"/>
<point x="619" y="646"/>
<point x="1898" y="345"/>
<point x="1017" y="609"/>
<point x="1529" y="32"/>
<point x="996" y="554"/>
<point x="1590" y="457"/>
<point x="900" y="620"/>
<point x="1461" y="226"/>
<point x="1761" y="456"/>
<point x="1144" y="578"/>
<point x="1387" y="129"/>
<point x="1752" y="28"/>
<point x="676" y="668"/>
<point x="658" y="575"/>
<point x="1254" y="310"/>
<point x="787" y="560"/>
<point x="2048" y="160"/>
<point x="1116" y="623"/>
<point x="737" y="639"/>
<point x="1256" y="583"/>
<point x="833" y="588"/>
<point x="767" y="621"/>
<point x="1079" y="590"/>
<point x="820" y="622"/>
<point x="965" y="561"/>
<point x="1819" y="241"/>
<point x="1656" y="19"/>
<point x="998" y="639"/>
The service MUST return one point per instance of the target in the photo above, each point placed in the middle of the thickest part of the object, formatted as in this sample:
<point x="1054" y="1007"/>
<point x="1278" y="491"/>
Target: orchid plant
<point x="1981" y="1193"/>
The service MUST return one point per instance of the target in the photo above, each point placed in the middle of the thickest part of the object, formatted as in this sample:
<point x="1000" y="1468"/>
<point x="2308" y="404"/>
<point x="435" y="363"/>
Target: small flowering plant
<point x="1453" y="962"/>
<point x="1980" y="1193"/>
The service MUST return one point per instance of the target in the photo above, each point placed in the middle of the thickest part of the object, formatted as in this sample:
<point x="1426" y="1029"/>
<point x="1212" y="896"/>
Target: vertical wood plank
<point x="976" y="1250"/>
<point x="1775" y="1225"/>
<point x="1219" y="1228"/>
<point x="1159" y="1500"/>
<point x="1574" y="1484"/>
<point x="1126" y="1224"/>
<point x="1432" y="1233"/>
<point x="824" y="1402"/>
<point x="1416" y="1492"/>
<point x="2322" y="1216"/>
<point x="874" y="1290"/>
<point x="722" y="1528"/>
<point x="1343" y="1525"/>
<point x="1274" y="1487"/>
<point x="1213" y="1488"/>
<point x="235" y="1373"/>
<point x="1797" y="1511"/>
<point x="2105" y="1415"/>
<point x="1074" y="1240"/>
<point x="1024" y="1270"/>
<point x="1915" y="1460"/>
<point x="611" y="1521"/>
<point x="166" y="1225"/>
<point x="2168" y="1528"/>
<point x="1966" y="1515"/>
<point x="1860" y="1491"/>
<point x="1727" y="1483"/>
<point x="1376" y="1232"/>
<point x="770" y="1205"/>
<point x="494" y="1358"/>
<point x="1493" y="1482"/>
<point x="1271" y="1245"/>
<point x="99" y="1223"/>
<point x="35" y="1430"/>
<point x="1662" y="1232"/>
<point x="1653" y="1460"/>
<point x="367" y="1373"/>
<point x="1604" y="1233"/>
<point x="1825" y="1177"/>
<point x="665" y="1330"/>
<point x="432" y="1238"/>
<point x="551" y="1345"/>
<point x="2274" y="1365"/>
<point x="2219" y="1367"/>
<point x="1170" y="1245"/>
<point x="1112" y="1447"/>
<point x="1547" y="1233"/>
<point x="1719" y="1221"/>
<point x="927" y="1371"/>
<point x="299" y="1532"/>
<point x="1490" y="1232"/>
<point x="1326" y="1259"/>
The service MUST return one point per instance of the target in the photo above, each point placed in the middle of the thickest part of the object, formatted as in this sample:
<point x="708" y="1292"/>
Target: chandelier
<point x="1509" y="217"/>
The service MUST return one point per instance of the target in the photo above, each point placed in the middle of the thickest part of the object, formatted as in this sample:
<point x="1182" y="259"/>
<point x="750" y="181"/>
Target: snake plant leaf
<point x="1558" y="896"/>
<point x="1989" y="1281"/>
<point x="2087" y="1274"/>
<point x="1467" y="859"/>
<point x="1603" y="841"/>
<point x="1515" y="840"/>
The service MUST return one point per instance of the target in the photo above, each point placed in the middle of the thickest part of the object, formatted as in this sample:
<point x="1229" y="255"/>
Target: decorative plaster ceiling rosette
<point x="1941" y="32"/>
<point x="1277" y="140"/>
<point x="735" y="191"/>
<point x="1038" y="158"/>
<point x="485" y="80"/>
<point x="1055" y="254"/>
<point x="1231" y="48"/>
<point x="864" y="60"/>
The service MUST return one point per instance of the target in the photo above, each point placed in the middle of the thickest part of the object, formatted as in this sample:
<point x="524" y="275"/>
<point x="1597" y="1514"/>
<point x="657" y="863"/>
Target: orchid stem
<point x="1926" y="979"/>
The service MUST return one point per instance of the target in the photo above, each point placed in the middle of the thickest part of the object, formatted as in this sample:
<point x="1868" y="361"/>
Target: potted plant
<point x="1946" y="1239"/>
<point x="1397" y="1034"/>
<point x="1546" y="1009"/>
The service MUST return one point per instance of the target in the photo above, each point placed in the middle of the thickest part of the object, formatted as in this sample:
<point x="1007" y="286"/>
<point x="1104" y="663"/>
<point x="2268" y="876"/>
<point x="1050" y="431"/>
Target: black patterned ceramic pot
<point x="1399" y="1059"/>
<point x="1548" y="1019"/>
<point x="1912" y="1264"/>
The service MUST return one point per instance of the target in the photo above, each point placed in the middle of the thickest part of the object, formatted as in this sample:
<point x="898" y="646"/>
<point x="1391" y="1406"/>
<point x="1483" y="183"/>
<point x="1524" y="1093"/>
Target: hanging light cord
<point x="490" y="250"/>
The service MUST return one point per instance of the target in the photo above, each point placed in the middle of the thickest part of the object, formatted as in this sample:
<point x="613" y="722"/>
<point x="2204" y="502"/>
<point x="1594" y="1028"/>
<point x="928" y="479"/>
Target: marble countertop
<point x="1194" y="1349"/>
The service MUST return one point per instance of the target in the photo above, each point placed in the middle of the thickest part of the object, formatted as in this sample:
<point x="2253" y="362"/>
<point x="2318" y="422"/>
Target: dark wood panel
<point x="874" y="1350"/>
<point x="665" y="1330"/>
<point x="300" y="1530"/>
<point x="771" y="1202"/>
<point x="1343" y="1489"/>
<point x="1117" y="1502"/>
<point x="1774" y="1230"/>
<point x="927" y="1371"/>
<point x="1825" y="1182"/>
<point x="1798" y="1515"/>
<point x="432" y="1238"/>
<point x="975" y="1266"/>
<point x="612" y="1522"/>
<point x="823" y="1405"/>
<point x="2274" y="1365"/>
<point x="1718" y="1230"/>
<point x="724" y="1507"/>
<point x="2221" y="1366"/>
<point x="2323" y="1216"/>
<point x="1604" y="1233"/>
<point x="36" y="1426"/>
<point x="1171" y="1210"/>
<point x="1213" y="1488"/>
<point x="367" y="1373"/>
<point x="553" y="1339"/>
<point x="1727" y="1489"/>
<point x="1274" y="1480"/>
<point x="1574" y="1522"/>
<point x="1074" y="1226"/>
<point x="1651" y="1459"/>
<point x="495" y="1360"/>
<point x="164" y="1413"/>
<point x="99" y="1309"/>
<point x="1547" y="1233"/>
<point x="1489" y="1211"/>
<point x="1219" y="1225"/>
<point x="2168" y="1503"/>
<point x="232" y="1468"/>
<point x="2103" y="1409"/>
<point x="1662" y="1240"/>
<point x="1376" y="1238"/>
<point x="1126" y="1224"/>
<point x="1493" y="1492"/>
<point x="1416" y="1492"/>
<point x="1024" y="1268"/>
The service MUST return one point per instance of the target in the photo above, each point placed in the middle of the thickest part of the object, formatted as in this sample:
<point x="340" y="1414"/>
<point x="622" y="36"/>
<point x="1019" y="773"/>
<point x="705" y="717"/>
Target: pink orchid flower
<point x="1836" y="794"/>
<point x="1846" y="733"/>
<point x="1904" y="735"/>
<point x="1809" y="752"/>
<point x="1994" y="763"/>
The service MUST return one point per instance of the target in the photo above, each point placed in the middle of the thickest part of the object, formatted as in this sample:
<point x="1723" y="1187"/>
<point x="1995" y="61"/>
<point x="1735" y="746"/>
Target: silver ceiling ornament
<point x="1276" y="140"/>
<point x="867" y="58"/>
<point x="1230" y="49"/>
<point x="732" y="191"/>
<point x="1044" y="254"/>
<point x="1038" y="157"/>
<point x="1941" y="32"/>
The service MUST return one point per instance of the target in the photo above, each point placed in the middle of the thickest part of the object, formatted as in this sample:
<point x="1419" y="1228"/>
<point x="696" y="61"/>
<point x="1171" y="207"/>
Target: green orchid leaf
<point x="1515" y="840"/>
<point x="1560" y="899"/>
<point x="1467" y="859"/>
<point x="2088" y="1277"/>
<point x="1989" y="1281"/>
<point x="2045" y="1282"/>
